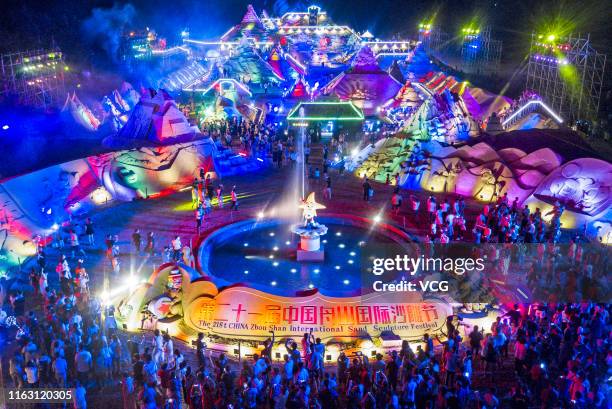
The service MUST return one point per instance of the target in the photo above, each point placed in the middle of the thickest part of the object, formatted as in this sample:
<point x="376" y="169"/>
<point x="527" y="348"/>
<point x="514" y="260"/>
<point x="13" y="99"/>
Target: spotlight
<point x="105" y="298"/>
<point x="132" y="281"/>
<point x="100" y="195"/>
<point x="260" y="215"/>
<point x="377" y="218"/>
<point x="5" y="127"/>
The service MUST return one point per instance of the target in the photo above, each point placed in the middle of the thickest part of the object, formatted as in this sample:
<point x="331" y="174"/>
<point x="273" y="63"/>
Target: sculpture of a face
<point x="567" y="188"/>
<point x="127" y="175"/>
<point x="583" y="185"/>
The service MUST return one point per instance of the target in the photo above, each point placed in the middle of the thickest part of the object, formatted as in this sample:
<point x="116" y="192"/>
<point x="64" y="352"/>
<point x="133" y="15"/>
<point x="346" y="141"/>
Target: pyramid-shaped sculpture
<point x="250" y="26"/>
<point x="365" y="84"/>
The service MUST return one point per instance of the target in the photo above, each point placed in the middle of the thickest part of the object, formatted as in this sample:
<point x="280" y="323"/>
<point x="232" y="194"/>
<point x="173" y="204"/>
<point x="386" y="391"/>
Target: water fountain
<point x="266" y="253"/>
<point x="310" y="231"/>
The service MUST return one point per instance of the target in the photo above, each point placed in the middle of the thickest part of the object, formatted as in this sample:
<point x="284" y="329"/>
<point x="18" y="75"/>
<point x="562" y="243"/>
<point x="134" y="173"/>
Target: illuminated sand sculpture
<point x="310" y="232"/>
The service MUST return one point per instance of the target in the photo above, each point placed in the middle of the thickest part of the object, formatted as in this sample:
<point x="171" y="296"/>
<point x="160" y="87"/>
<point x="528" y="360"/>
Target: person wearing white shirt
<point x="168" y="349"/>
<point x="158" y="347"/>
<point x="31" y="371"/>
<point x="82" y="363"/>
<point x="176" y="248"/>
<point x="60" y="370"/>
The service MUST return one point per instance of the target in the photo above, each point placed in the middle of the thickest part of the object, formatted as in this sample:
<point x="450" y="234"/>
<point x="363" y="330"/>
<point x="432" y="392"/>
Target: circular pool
<point x="262" y="255"/>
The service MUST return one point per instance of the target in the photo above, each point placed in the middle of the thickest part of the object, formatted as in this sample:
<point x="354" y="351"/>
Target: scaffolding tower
<point x="35" y="77"/>
<point x="478" y="49"/>
<point x="568" y="73"/>
<point x="435" y="41"/>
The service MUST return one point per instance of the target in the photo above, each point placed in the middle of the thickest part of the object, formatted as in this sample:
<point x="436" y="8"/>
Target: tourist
<point x="81" y="279"/>
<point x="367" y="190"/>
<point x="176" y="247"/>
<point x="74" y="245"/>
<point x="294" y="353"/>
<point x="60" y="370"/>
<point x="80" y="396"/>
<point x="147" y="396"/>
<point x="167" y="348"/>
<point x="136" y="241"/>
<point x="63" y="271"/>
<point x="415" y="204"/>
<point x="89" y="231"/>
<point x="150" y="246"/>
<point x="396" y="201"/>
<point x="195" y="193"/>
<point x="199" y="215"/>
<point x="234" y="199"/>
<point x="31" y="373"/>
<point x="220" y="196"/>
<point x="158" y="347"/>
<point x="104" y="364"/>
<point x="327" y="191"/>
<point x="431" y="209"/>
<point x="83" y="364"/>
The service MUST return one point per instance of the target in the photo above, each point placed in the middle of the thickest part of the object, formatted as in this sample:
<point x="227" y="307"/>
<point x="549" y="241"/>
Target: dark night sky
<point x="32" y="23"/>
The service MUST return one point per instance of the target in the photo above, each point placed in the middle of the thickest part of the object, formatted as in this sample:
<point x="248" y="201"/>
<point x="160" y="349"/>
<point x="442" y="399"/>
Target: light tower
<point x="568" y="73"/>
<point x="35" y="77"/>
<point x="478" y="49"/>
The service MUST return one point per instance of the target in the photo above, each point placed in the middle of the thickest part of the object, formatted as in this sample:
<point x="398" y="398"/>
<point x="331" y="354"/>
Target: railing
<point x="528" y="106"/>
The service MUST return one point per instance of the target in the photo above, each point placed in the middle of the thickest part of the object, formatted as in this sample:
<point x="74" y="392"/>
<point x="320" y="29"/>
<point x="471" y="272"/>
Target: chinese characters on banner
<point x="250" y="313"/>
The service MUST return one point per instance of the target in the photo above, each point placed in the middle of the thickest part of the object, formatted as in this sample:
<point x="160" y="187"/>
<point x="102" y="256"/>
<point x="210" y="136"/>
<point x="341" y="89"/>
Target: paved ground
<point x="174" y="214"/>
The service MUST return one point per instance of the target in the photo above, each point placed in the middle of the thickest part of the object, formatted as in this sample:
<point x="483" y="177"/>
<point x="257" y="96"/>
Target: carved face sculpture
<point x="127" y="175"/>
<point x="582" y="185"/>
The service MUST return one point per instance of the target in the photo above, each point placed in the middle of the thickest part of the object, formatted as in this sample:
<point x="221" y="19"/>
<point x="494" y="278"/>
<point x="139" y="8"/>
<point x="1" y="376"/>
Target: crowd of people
<point x="501" y="221"/>
<point x="518" y="103"/>
<point x="550" y="355"/>
<point x="553" y="355"/>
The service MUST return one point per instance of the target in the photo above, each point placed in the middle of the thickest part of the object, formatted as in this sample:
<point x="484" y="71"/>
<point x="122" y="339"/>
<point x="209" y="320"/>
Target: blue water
<point x="264" y="257"/>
